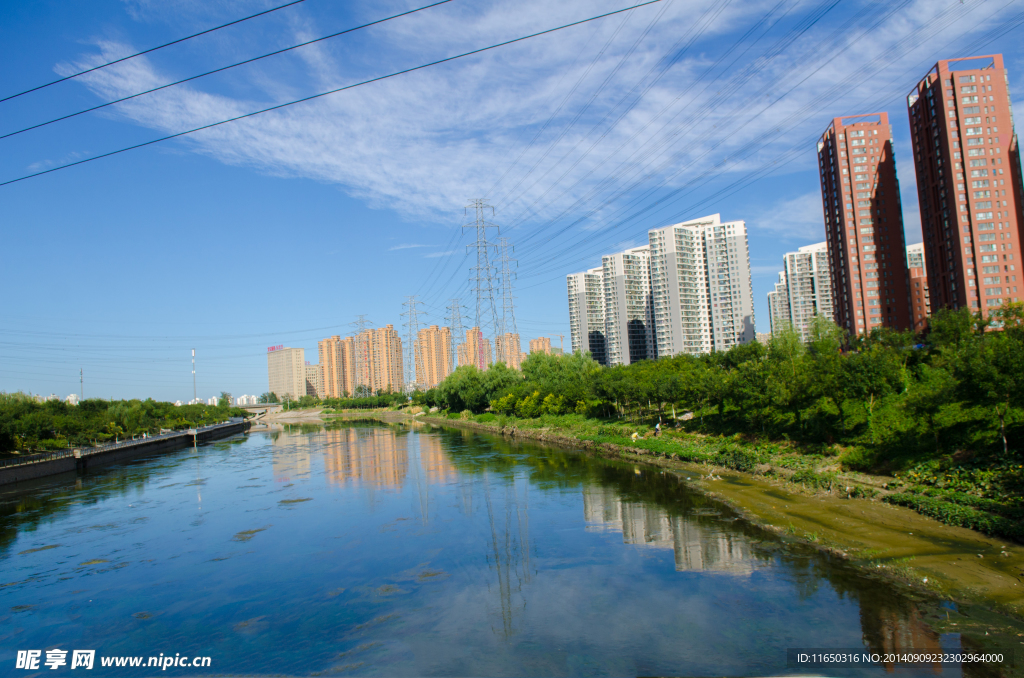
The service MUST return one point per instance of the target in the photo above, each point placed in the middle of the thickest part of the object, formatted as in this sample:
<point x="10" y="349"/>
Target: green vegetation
<point x="943" y="418"/>
<point x="28" y="426"/>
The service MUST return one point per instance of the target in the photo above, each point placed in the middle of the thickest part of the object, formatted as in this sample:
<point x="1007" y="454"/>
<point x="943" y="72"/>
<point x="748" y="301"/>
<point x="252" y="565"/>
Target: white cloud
<point x="406" y="246"/>
<point x="434" y="255"/>
<point x="425" y="142"/>
<point x="797" y="218"/>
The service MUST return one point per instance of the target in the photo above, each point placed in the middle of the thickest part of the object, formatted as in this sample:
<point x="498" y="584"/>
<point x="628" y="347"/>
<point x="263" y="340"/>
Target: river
<point x="361" y="549"/>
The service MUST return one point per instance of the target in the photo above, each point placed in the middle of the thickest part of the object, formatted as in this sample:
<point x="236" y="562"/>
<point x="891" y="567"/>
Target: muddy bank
<point x="953" y="562"/>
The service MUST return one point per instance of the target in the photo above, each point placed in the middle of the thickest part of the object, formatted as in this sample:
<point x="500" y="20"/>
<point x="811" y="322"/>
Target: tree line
<point x="893" y="394"/>
<point x="29" y="426"/>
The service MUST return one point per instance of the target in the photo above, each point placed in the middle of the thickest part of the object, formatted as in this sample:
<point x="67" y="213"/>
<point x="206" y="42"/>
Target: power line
<point x="151" y="49"/>
<point x="412" y="328"/>
<point x="483" y="277"/>
<point x="454" y="320"/>
<point x="323" y="94"/>
<point x="220" y="70"/>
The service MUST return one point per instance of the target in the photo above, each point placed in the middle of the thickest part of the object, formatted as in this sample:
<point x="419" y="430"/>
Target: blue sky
<point x="280" y="229"/>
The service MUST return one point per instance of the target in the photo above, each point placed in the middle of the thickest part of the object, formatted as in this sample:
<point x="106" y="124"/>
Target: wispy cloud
<point x="797" y="219"/>
<point x="623" y="133"/>
<point x="434" y="255"/>
<point x="406" y="246"/>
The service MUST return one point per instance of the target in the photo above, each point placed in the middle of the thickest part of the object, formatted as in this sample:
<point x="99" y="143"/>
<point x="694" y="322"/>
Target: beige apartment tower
<point x="476" y="350"/>
<point x="541" y="345"/>
<point x="286" y="371"/>
<point x="508" y="345"/>
<point x="338" y="363"/>
<point x="434" y="356"/>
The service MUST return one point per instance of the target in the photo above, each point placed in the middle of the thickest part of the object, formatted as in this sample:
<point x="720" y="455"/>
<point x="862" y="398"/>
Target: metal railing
<point x="99" y="449"/>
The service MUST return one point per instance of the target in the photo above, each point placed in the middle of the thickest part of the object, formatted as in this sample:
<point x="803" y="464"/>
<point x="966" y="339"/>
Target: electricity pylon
<point x="483" y="276"/>
<point x="412" y="332"/>
<point x="454" y="320"/>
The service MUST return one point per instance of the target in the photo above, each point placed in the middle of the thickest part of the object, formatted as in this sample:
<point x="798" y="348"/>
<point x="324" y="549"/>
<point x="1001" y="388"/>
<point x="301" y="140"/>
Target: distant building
<point x="314" y="381"/>
<point x="433" y="356"/>
<point x="286" y="370"/>
<point x="586" y="313"/>
<point x="338" y="365"/>
<point x="540" y="345"/>
<point x="702" y="294"/>
<point x="920" y="301"/>
<point x="509" y="350"/>
<point x="864" y="224"/>
<point x="72" y="399"/>
<point x="804" y="290"/>
<point x="177" y="403"/>
<point x="628" y="312"/>
<point x="969" y="184"/>
<point x="212" y="401"/>
<point x="763" y="337"/>
<point x="476" y="350"/>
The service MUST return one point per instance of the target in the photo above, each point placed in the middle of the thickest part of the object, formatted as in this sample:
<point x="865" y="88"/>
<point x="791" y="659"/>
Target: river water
<point x="365" y="549"/>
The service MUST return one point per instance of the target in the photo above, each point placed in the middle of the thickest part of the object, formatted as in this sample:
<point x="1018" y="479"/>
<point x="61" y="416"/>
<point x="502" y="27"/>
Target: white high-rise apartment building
<point x="804" y="290"/>
<point x="628" y="312"/>
<point x="778" y="305"/>
<point x="586" y="313"/>
<point x="700" y="278"/>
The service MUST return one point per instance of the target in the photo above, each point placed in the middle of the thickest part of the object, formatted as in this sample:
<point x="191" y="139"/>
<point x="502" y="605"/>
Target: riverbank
<point x="897" y="542"/>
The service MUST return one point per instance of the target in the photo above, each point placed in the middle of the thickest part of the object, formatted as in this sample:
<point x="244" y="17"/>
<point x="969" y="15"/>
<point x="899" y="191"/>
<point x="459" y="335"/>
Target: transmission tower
<point x="412" y="332"/>
<point x="454" y="320"/>
<point x="362" y="346"/>
<point x="483" y="276"/>
<point x="508" y="314"/>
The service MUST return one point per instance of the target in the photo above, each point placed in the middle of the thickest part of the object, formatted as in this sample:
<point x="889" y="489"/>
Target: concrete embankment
<point x="67" y="461"/>
<point x="892" y="541"/>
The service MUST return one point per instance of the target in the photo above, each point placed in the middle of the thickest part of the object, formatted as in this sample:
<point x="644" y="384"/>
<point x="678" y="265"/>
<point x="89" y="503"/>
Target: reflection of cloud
<point x="696" y="547"/>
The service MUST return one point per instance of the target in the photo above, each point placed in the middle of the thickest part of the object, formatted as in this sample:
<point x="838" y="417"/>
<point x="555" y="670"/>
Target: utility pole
<point x="363" y="371"/>
<point x="454" y="320"/>
<point x="412" y="327"/>
<point x="483" y="276"/>
<point x="195" y="398"/>
<point x="508" y="315"/>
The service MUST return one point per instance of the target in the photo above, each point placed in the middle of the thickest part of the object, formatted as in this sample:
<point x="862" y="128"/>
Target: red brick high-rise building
<point x="864" y="224"/>
<point x="968" y="183"/>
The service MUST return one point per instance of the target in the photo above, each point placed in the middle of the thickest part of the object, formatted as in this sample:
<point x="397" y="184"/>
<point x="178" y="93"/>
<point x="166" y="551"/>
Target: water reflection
<point x="477" y="557"/>
<point x="696" y="546"/>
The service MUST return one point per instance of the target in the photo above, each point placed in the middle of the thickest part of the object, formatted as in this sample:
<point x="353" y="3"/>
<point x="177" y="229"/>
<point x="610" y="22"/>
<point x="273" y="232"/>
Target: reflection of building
<point x="433" y="356"/>
<point x="286" y="370"/>
<point x="437" y="468"/>
<point x="695" y="546"/>
<point x="476" y="350"/>
<point x="371" y="456"/>
<point x="290" y="454"/>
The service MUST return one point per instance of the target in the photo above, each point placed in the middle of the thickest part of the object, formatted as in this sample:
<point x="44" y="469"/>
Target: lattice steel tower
<point x="454" y="320"/>
<point x="483" y="276"/>
<point x="412" y="331"/>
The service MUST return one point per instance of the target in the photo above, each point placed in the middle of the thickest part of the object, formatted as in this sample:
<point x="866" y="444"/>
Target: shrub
<point x="961" y="516"/>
